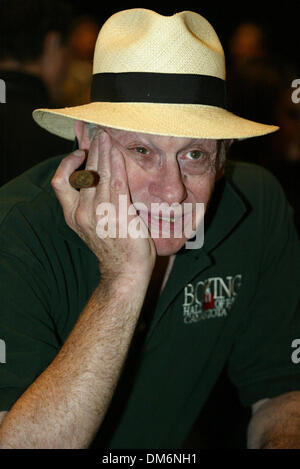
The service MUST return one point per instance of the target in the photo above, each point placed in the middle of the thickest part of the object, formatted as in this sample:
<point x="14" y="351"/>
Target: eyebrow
<point x="191" y="142"/>
<point x="140" y="137"/>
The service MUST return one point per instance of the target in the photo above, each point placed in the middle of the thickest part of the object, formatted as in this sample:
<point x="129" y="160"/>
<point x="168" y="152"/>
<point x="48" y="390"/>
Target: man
<point x="33" y="62"/>
<point x="116" y="341"/>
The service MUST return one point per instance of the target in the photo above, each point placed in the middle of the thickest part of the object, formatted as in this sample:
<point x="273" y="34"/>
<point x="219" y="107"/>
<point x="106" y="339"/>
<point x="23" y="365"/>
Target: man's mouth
<point x="169" y="219"/>
<point x="165" y="225"/>
<point x="159" y="218"/>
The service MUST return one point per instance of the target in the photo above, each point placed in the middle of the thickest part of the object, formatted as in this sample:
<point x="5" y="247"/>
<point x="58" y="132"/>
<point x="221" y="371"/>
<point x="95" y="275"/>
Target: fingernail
<point x="78" y="152"/>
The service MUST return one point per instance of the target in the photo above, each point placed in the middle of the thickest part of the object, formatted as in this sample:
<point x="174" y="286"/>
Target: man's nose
<point x="168" y="185"/>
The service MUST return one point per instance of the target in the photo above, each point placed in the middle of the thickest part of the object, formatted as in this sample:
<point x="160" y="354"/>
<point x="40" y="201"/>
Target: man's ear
<point x="228" y="144"/>
<point x="220" y="172"/>
<point x="81" y="133"/>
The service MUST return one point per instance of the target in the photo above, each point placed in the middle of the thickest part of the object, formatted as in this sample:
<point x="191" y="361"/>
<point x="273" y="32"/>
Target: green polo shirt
<point x="235" y="301"/>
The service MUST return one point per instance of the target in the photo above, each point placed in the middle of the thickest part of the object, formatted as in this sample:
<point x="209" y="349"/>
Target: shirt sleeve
<point x="27" y="330"/>
<point x="260" y="364"/>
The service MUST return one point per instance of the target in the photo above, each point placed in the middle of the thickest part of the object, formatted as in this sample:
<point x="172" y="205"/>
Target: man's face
<point x="171" y="170"/>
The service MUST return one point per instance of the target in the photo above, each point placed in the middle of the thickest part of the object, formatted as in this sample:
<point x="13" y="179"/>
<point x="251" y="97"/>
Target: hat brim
<point x="178" y="120"/>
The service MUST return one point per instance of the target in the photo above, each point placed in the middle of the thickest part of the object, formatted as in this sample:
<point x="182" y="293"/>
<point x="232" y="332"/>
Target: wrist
<point x="129" y="276"/>
<point x="123" y="285"/>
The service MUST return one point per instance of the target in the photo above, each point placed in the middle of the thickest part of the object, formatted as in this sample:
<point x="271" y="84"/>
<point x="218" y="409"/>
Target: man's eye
<point x="141" y="150"/>
<point x="195" y="155"/>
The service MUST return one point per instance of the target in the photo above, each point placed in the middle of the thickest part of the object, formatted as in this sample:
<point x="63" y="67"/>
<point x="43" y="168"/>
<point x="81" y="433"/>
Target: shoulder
<point x="255" y="184"/>
<point x="248" y="176"/>
<point x="28" y="204"/>
<point x="30" y="185"/>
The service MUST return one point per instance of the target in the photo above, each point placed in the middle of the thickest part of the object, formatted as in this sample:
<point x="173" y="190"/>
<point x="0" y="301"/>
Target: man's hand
<point x="276" y="423"/>
<point x="119" y="256"/>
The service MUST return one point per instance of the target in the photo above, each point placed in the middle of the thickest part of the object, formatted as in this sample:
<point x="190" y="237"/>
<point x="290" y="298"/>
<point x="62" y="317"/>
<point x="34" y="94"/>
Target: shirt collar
<point x="226" y="211"/>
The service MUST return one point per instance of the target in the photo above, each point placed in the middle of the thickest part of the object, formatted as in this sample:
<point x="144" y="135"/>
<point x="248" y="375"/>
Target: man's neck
<point x="160" y="274"/>
<point x="168" y="267"/>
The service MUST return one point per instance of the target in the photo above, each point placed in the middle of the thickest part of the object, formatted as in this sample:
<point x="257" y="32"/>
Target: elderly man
<point x="116" y="341"/>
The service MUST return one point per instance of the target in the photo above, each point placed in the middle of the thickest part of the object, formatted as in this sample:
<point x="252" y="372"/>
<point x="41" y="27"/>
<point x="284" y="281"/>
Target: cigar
<point x="84" y="179"/>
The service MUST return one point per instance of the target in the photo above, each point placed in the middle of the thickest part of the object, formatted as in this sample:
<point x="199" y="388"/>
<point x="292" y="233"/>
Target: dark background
<point x="281" y="19"/>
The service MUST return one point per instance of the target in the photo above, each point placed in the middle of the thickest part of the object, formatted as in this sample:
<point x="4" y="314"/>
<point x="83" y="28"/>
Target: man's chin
<point x="168" y="246"/>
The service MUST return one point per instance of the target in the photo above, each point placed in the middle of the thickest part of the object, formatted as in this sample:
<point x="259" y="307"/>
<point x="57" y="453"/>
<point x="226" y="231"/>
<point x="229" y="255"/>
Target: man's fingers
<point x="119" y="181"/>
<point x="104" y="168"/>
<point x="99" y="161"/>
<point x="87" y="195"/>
<point x="93" y="156"/>
<point x="66" y="194"/>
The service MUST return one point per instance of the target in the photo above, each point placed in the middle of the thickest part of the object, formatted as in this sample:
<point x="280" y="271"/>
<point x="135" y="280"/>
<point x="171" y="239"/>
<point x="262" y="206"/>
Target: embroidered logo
<point x="210" y="298"/>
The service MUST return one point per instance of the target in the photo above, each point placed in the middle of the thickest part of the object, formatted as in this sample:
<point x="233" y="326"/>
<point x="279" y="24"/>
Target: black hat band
<point x="169" y="88"/>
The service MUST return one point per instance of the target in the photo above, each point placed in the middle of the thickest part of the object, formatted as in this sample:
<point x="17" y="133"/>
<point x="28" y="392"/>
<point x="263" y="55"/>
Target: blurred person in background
<point x="247" y="43"/>
<point x="282" y="157"/>
<point x="253" y="80"/>
<point x="33" y="60"/>
<point x="75" y="89"/>
<point x="259" y="84"/>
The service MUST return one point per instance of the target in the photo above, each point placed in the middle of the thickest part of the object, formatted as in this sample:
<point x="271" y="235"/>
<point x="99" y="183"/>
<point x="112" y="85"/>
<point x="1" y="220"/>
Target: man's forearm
<point x="65" y="405"/>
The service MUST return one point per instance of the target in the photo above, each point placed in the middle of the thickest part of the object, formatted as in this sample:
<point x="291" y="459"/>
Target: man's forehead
<point x="156" y="139"/>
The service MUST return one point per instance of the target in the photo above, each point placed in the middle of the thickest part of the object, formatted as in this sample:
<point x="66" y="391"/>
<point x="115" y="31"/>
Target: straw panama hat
<point x="156" y="74"/>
